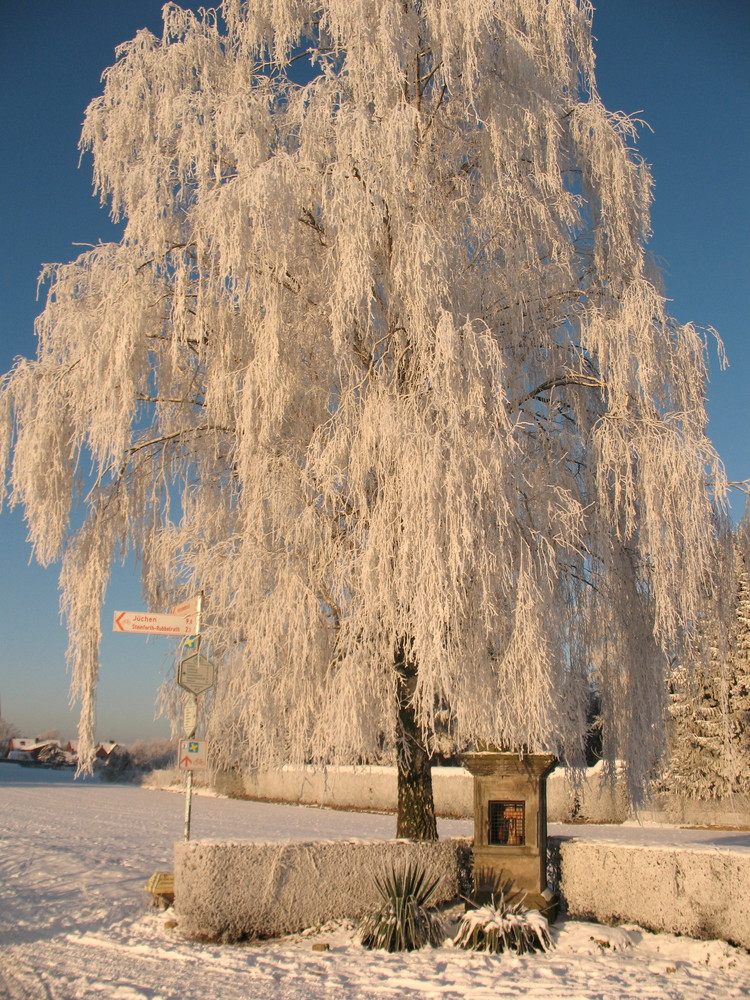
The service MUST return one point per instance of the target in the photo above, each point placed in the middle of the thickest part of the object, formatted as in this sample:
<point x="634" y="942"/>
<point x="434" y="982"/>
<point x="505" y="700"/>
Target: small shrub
<point x="503" y="925"/>
<point x="404" y="921"/>
<point x="117" y="767"/>
<point x="153" y="755"/>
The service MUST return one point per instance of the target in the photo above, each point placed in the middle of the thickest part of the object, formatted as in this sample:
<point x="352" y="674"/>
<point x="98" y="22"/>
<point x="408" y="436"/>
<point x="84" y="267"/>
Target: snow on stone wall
<point x="701" y="892"/>
<point x="238" y="890"/>
<point x="375" y="789"/>
<point x="232" y="891"/>
<point x="370" y="788"/>
<point x="671" y="807"/>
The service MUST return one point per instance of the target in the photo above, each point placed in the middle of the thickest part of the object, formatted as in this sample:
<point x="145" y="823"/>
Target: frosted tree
<point x="7" y="732"/>
<point x="739" y="681"/>
<point x="381" y="366"/>
<point x="709" y="709"/>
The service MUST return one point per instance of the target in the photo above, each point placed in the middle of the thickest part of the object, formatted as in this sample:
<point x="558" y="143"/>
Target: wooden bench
<point x="161" y="887"/>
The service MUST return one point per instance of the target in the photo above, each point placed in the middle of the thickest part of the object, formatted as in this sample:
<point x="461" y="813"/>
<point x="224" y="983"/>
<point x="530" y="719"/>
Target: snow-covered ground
<point x="74" y="919"/>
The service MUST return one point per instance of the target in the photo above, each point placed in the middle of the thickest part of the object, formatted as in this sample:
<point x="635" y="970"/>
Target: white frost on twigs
<point x="379" y="362"/>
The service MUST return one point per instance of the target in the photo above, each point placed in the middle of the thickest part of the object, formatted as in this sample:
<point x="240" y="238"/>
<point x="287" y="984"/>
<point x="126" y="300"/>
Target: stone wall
<point x="674" y="809"/>
<point x="701" y="892"/>
<point x="232" y="891"/>
<point x="373" y="789"/>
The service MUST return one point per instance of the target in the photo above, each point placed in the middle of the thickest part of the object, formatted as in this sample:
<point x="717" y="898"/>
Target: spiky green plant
<point x="403" y="921"/>
<point x="504" y="925"/>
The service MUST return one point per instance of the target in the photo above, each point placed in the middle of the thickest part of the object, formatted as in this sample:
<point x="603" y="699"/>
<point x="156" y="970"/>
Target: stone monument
<point x="510" y="824"/>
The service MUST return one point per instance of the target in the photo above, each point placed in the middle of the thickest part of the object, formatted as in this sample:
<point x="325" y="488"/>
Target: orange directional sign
<point x="147" y="623"/>
<point x="188" y="609"/>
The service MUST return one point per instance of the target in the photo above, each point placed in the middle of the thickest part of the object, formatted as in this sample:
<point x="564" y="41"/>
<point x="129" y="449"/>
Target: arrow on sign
<point x="193" y="755"/>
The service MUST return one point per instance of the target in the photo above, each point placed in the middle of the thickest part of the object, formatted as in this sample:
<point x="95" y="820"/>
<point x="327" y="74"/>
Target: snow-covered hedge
<point x="697" y="891"/>
<point x="231" y="891"/>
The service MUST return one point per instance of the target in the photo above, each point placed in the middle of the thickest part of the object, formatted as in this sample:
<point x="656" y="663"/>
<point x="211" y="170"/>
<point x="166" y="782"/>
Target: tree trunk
<point x="416" y="807"/>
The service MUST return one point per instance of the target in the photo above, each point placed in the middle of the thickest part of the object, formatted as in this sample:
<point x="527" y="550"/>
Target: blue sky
<point x="682" y="65"/>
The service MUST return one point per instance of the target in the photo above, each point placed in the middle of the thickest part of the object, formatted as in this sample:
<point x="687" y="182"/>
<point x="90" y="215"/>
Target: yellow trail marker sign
<point x="193" y="755"/>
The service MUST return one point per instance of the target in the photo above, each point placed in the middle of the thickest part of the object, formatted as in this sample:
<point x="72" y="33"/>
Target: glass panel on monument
<point x="507" y="823"/>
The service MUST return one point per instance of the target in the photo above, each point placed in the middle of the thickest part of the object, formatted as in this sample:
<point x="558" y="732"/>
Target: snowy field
<point x="74" y="919"/>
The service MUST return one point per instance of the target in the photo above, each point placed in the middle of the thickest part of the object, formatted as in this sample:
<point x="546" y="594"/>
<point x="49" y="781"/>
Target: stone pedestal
<point x="510" y="823"/>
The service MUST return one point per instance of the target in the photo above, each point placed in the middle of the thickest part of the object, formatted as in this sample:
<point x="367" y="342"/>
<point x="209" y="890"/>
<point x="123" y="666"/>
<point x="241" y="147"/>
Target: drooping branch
<point x="377" y="360"/>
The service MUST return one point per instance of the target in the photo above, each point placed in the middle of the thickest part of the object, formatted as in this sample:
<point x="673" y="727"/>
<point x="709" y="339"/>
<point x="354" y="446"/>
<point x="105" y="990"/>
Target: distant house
<point x="21" y="743"/>
<point x="70" y="752"/>
<point x="36" y="750"/>
<point x="105" y="750"/>
<point x="19" y="748"/>
<point x="23" y="748"/>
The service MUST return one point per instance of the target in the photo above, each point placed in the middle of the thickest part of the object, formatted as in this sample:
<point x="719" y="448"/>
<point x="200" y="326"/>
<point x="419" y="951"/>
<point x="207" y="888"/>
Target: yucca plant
<point x="404" y="921"/>
<point x="504" y="924"/>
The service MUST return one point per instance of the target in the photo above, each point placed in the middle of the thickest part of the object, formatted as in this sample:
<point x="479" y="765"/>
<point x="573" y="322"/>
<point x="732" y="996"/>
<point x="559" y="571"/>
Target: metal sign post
<point x="195" y="674"/>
